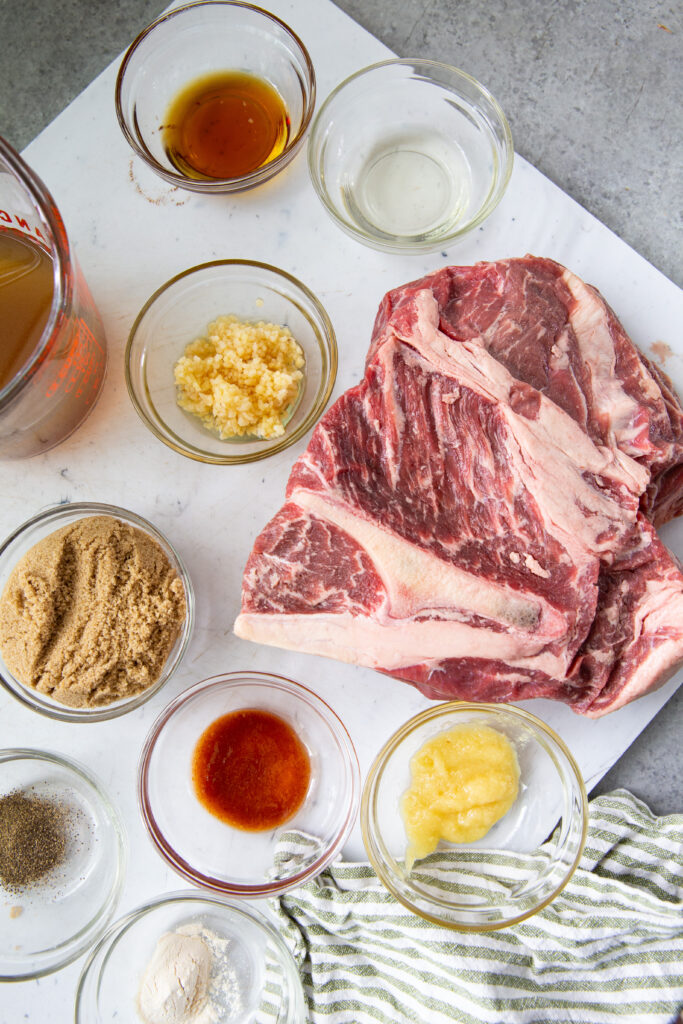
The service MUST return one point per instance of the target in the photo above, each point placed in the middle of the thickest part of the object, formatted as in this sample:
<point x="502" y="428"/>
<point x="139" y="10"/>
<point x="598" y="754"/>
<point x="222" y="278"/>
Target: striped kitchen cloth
<point x="609" y="947"/>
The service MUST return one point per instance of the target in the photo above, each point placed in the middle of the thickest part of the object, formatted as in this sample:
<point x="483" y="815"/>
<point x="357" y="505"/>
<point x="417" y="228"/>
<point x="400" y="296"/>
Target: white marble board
<point x="131" y="233"/>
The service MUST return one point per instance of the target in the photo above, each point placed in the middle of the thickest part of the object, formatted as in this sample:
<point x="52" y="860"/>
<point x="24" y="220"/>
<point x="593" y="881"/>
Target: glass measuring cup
<point x="54" y="380"/>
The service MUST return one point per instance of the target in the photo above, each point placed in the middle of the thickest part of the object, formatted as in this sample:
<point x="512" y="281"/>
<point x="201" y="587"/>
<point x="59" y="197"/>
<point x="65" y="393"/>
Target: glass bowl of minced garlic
<point x="474" y="815"/>
<point x="231" y="361"/>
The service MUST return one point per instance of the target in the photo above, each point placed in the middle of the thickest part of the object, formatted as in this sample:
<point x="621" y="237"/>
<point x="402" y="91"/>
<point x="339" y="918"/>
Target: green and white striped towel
<point x="610" y="947"/>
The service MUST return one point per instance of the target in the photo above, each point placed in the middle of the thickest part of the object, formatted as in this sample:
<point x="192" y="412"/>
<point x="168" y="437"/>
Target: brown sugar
<point x="90" y="614"/>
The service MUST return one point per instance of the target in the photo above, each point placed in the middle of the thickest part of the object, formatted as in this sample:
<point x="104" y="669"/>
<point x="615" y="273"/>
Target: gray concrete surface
<point x="592" y="89"/>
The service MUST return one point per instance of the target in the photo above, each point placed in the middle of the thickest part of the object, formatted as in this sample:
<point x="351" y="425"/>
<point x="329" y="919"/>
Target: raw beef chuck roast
<point x="476" y="516"/>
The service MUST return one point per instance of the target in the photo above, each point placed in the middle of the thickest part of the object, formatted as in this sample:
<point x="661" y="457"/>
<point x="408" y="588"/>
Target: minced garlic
<point x="242" y="378"/>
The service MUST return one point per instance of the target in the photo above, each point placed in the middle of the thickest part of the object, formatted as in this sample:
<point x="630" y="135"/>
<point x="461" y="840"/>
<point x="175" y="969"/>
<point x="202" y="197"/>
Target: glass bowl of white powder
<point x="190" y="958"/>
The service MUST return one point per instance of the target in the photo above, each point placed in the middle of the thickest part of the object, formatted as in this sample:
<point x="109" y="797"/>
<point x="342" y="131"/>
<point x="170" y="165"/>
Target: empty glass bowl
<point x="51" y="922"/>
<point x="255" y="977"/>
<point x="408" y="155"/>
<point x="180" y="311"/>
<point x="204" y="849"/>
<point x="514" y="870"/>
<point x="192" y="42"/>
<point x="37" y="529"/>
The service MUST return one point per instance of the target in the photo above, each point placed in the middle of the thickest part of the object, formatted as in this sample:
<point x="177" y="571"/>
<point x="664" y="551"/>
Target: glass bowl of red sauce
<point x="248" y="784"/>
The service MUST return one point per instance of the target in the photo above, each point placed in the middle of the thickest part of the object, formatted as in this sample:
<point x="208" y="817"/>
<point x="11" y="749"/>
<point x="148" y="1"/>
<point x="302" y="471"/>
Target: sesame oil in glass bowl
<point x="408" y="155"/>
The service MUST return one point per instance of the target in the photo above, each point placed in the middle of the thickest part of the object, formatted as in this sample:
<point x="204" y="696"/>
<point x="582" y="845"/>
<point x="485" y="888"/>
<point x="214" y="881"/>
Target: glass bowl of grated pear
<point x="512" y="815"/>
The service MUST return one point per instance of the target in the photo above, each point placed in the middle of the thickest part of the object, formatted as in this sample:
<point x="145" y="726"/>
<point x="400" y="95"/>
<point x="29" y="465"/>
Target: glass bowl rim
<point x="24" y="694"/>
<point x="279" y="444"/>
<point x="180" y="896"/>
<point x="63" y="266"/>
<point x="347" y="748"/>
<point x="395" y="245"/>
<point x="209" y="185"/>
<point x="100" y="920"/>
<point x="376" y="770"/>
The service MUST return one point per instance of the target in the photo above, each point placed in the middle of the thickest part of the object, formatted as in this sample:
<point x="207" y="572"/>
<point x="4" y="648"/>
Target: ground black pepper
<point x="33" y="838"/>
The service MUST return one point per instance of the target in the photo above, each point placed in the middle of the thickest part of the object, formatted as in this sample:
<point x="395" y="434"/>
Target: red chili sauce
<point x="251" y="770"/>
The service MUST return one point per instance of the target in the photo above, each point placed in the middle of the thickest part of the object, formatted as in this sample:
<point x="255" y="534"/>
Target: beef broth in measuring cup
<point x="52" y="346"/>
<point x="26" y="293"/>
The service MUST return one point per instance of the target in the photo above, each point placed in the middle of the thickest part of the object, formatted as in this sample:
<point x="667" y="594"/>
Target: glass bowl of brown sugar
<point x="62" y="861"/>
<point x="96" y="612"/>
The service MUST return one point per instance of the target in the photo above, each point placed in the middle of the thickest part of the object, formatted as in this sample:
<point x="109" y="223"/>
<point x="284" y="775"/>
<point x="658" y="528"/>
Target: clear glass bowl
<point x="489" y="892"/>
<point x="195" y="40"/>
<point x="210" y="853"/>
<point x="263" y="972"/>
<point x="52" y="922"/>
<point x="180" y="311"/>
<point x="408" y="155"/>
<point x="35" y="530"/>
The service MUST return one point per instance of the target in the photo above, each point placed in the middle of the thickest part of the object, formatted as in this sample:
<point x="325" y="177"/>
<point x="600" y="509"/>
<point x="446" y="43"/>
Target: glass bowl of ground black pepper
<point x="96" y="612"/>
<point x="216" y="96"/>
<point x="248" y="784"/>
<point x="62" y="862"/>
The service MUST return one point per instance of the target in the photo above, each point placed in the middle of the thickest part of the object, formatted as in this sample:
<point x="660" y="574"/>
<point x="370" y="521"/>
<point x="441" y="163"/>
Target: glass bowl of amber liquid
<point x="248" y="784"/>
<point x="216" y="96"/>
<point x="516" y="868"/>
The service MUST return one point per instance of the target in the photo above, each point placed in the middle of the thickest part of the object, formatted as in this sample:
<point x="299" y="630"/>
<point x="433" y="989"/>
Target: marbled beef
<point x="475" y="516"/>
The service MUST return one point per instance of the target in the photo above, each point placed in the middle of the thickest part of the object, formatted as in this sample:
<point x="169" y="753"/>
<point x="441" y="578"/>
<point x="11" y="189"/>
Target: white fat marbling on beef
<point x="390" y="645"/>
<point x="416" y="581"/>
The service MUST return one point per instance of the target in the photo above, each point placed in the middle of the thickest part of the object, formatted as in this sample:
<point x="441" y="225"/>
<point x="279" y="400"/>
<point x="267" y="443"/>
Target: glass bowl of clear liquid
<point x="408" y="155"/>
